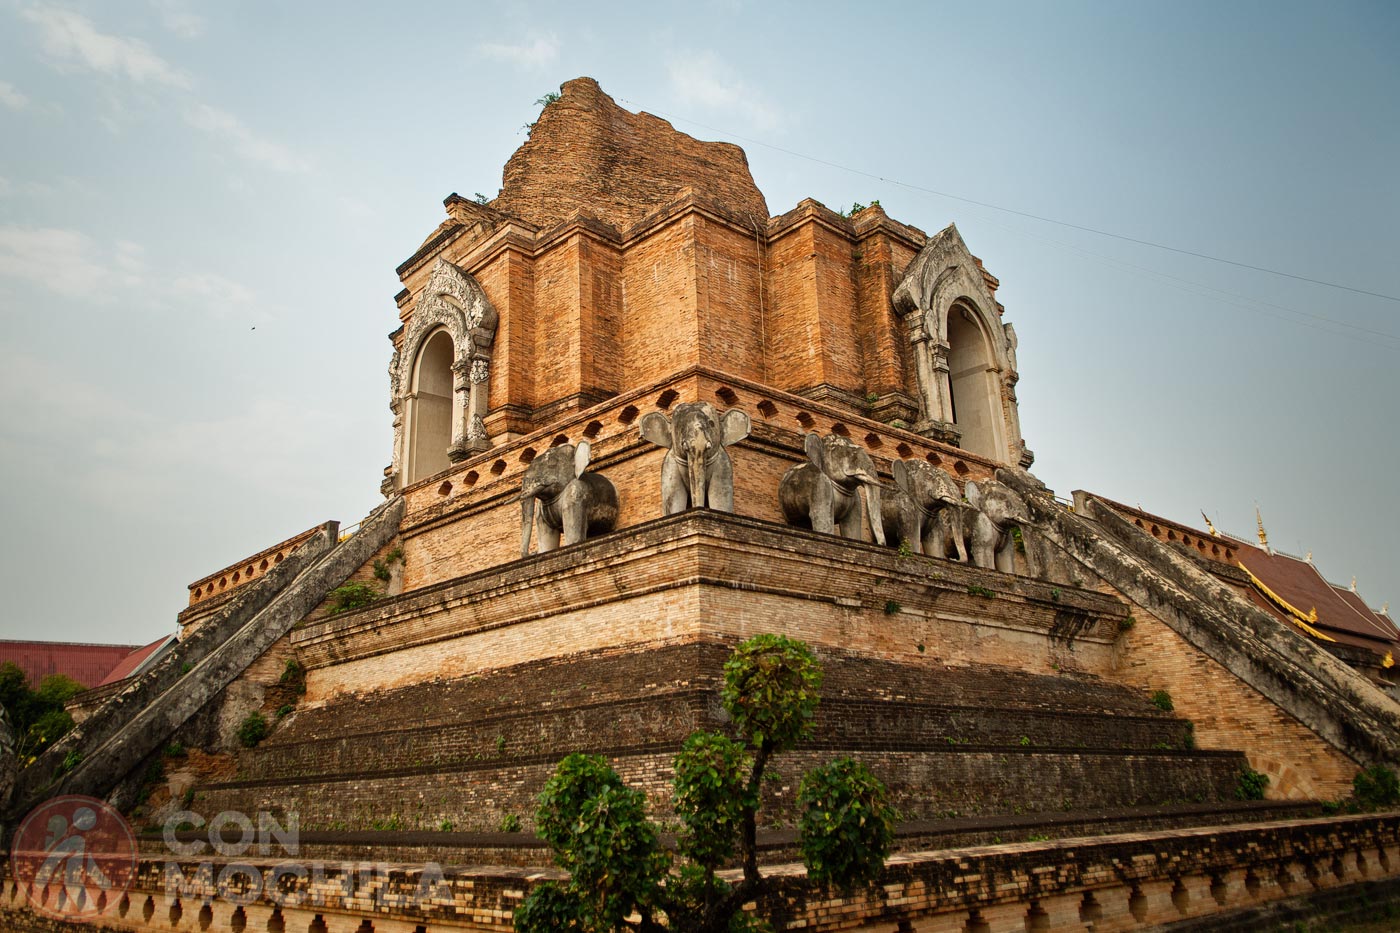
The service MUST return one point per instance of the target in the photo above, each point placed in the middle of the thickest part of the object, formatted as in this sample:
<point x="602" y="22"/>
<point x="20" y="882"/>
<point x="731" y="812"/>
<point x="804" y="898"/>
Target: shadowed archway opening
<point x="974" y="384"/>
<point x="430" y="408"/>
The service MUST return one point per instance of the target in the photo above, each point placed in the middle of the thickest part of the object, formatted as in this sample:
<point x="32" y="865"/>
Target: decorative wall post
<point x="479" y="380"/>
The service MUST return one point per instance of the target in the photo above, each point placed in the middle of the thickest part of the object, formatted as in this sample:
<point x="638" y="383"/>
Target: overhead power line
<point x="1027" y="214"/>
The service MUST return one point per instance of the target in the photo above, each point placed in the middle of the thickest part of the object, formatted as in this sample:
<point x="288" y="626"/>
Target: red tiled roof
<point x="1340" y="613"/>
<point x="136" y="660"/>
<point x="87" y="664"/>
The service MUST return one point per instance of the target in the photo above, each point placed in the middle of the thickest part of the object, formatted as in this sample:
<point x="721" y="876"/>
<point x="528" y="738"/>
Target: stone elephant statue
<point x="570" y="500"/>
<point x="825" y="491"/>
<point x="697" y="472"/>
<point x="912" y="511"/>
<point x="997" y="509"/>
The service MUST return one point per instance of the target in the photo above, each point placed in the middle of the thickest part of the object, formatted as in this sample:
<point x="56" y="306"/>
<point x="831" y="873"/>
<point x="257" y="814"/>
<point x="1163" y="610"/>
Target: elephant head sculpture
<point x="567" y="499"/>
<point x="697" y="472"/>
<point x="825" y="491"/>
<point x="998" y="510"/>
<point x="912" y="509"/>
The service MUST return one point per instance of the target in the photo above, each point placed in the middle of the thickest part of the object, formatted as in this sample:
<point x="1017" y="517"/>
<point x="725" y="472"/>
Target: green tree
<point x="37" y="715"/>
<point x="600" y="833"/>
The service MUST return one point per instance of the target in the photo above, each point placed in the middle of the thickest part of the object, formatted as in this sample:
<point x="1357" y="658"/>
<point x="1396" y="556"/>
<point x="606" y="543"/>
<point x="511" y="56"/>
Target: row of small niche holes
<point x="238" y="575"/>
<point x="1186" y="540"/>
<point x="728" y="396"/>
<point x="238" y="921"/>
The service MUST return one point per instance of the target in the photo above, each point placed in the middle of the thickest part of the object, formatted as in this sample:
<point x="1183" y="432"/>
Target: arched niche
<point x="964" y="357"/>
<point x="974" y="383"/>
<point x="444" y="353"/>
<point x="429" y="415"/>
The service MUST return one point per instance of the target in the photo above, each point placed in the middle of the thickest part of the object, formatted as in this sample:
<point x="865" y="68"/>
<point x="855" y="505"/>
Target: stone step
<point x="451" y="847"/>
<point x="925" y="783"/>
<point x="592" y="678"/>
<point x="860" y="725"/>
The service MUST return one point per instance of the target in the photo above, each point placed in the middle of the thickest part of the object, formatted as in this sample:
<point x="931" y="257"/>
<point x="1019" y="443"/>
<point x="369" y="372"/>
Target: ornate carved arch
<point x="452" y="301"/>
<point x="942" y="277"/>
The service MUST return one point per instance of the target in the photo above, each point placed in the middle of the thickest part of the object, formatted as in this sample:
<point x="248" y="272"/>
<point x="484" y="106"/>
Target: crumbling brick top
<point x="587" y="153"/>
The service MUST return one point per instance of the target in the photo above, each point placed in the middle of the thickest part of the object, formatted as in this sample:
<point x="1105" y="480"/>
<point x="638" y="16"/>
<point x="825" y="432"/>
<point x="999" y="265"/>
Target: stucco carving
<point x="481" y="371"/>
<point x="452" y="301"/>
<point x="944" y="280"/>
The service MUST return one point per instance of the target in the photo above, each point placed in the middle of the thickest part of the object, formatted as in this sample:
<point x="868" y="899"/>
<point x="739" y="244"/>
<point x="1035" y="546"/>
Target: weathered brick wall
<point x="701" y="574"/>
<point x="660" y="328"/>
<point x="1229" y="713"/>
<point x="585" y="152"/>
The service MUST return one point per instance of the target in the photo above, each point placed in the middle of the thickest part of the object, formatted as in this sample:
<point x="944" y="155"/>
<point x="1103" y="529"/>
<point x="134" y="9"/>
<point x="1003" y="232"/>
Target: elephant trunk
<point x="873" y="509"/>
<point x="527" y="522"/>
<point x="697" y="448"/>
<point x="696" y="465"/>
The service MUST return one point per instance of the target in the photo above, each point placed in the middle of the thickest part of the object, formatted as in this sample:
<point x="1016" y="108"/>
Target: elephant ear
<point x="812" y="445"/>
<point x="900" y="469"/>
<point x="972" y="494"/>
<point x="583" y="453"/>
<point x="656" y="428"/>
<point x="736" y="426"/>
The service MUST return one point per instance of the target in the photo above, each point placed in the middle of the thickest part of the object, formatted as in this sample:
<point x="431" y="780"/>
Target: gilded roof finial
<point x="1309" y="557"/>
<point x="1263" y="536"/>
<point x="1353" y="583"/>
<point x="1385" y="609"/>
<point x="1208" y="524"/>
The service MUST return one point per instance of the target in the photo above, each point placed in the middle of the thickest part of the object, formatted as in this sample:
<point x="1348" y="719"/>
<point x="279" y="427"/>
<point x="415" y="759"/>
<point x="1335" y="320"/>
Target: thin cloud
<point x="709" y="82"/>
<point x="73" y="264"/>
<point x="212" y="291"/>
<point x="225" y="126"/>
<point x="535" y="52"/>
<point x="11" y="96"/>
<point x="64" y="261"/>
<point x="176" y="17"/>
<point x="71" y="39"/>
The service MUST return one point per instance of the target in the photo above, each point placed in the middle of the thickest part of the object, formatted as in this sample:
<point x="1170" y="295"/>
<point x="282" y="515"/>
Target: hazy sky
<point x="202" y="205"/>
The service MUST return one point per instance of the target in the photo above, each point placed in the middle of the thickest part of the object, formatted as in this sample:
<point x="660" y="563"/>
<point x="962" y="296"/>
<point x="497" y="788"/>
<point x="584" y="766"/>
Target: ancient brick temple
<point x="625" y="334"/>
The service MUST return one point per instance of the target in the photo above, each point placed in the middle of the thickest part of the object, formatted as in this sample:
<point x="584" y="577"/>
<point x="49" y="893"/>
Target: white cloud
<point x="176" y="17"/>
<point x="222" y="125"/>
<point x="73" y="264"/>
<point x="532" y="53"/>
<point x="706" y="80"/>
<point x="211" y="291"/>
<point x="72" y="39"/>
<point x="10" y="96"/>
<point x="64" y="261"/>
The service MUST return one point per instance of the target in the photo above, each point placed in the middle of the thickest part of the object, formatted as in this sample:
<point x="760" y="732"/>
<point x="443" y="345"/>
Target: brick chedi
<point x="620" y="252"/>
<point x="623" y="334"/>
<point x="589" y="155"/>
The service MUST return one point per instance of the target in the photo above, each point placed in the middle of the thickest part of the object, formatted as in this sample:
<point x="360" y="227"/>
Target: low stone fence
<point x="1124" y="882"/>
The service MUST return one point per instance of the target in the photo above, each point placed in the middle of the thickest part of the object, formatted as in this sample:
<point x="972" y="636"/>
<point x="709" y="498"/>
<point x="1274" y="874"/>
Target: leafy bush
<point x="847" y="824"/>
<point x="252" y="730"/>
<point x="1376" y="788"/>
<point x="1163" y="701"/>
<point x="600" y="833"/>
<point x="510" y="823"/>
<point x="353" y="595"/>
<point x="1251" y="784"/>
